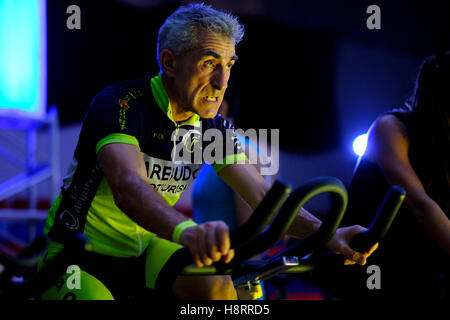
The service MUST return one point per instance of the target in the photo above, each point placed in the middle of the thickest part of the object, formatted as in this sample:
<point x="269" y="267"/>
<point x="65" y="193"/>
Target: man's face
<point x="202" y="74"/>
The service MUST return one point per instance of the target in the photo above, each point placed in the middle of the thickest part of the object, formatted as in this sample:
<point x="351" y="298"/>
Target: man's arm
<point x="388" y="146"/>
<point x="251" y="186"/>
<point x="124" y="169"/>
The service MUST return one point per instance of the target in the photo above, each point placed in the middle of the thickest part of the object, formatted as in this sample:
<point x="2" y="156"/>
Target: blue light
<point x="359" y="144"/>
<point x="23" y="58"/>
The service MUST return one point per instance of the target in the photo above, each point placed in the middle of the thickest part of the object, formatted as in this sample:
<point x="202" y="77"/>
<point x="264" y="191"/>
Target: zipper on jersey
<point x="177" y="128"/>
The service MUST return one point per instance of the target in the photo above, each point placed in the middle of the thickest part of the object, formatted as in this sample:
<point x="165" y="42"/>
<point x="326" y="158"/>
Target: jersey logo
<point x="192" y="140"/>
<point x="124" y="106"/>
<point x="69" y="220"/>
<point x="168" y="177"/>
<point x="158" y="135"/>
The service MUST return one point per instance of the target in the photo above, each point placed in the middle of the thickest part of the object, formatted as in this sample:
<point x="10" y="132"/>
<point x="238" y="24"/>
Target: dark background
<point x="287" y="70"/>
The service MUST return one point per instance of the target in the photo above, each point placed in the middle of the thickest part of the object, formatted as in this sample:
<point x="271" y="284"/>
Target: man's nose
<point x="219" y="79"/>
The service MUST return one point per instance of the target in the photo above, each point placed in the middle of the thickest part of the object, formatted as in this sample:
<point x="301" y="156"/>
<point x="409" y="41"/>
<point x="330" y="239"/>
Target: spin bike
<point x="267" y="225"/>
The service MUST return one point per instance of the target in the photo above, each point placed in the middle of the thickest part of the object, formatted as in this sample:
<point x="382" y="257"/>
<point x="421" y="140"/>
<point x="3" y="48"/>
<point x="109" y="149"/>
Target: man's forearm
<point x="304" y="224"/>
<point x="146" y="207"/>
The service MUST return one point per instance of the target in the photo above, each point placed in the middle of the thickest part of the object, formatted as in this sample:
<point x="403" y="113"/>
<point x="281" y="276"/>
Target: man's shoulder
<point x="129" y="86"/>
<point x="125" y="93"/>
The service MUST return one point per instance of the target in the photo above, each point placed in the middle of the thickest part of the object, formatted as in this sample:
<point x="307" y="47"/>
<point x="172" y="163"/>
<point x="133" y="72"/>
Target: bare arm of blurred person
<point x="388" y="146"/>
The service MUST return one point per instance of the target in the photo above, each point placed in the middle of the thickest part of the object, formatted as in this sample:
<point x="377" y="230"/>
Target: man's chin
<point x="208" y="115"/>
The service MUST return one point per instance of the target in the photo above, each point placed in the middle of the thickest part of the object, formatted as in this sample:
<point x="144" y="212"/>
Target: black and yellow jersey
<point x="139" y="113"/>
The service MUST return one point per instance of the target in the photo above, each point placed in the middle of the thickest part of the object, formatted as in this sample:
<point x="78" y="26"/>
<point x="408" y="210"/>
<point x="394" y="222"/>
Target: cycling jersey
<point x="139" y="113"/>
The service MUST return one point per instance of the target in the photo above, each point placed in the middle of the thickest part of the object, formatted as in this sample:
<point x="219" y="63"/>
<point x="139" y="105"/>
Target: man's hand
<point x="208" y="242"/>
<point x="340" y="244"/>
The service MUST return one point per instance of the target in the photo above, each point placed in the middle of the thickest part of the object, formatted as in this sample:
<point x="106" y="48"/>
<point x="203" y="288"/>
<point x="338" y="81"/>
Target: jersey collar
<point x="163" y="101"/>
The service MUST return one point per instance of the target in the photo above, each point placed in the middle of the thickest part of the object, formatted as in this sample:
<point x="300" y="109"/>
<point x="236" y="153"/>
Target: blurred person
<point x="409" y="147"/>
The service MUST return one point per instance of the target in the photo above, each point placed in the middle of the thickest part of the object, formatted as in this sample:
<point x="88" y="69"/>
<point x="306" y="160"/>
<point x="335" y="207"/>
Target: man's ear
<point x="167" y="60"/>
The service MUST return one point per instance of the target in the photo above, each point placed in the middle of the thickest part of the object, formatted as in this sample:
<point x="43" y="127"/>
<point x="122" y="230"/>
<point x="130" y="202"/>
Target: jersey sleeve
<point x="232" y="148"/>
<point x="114" y="117"/>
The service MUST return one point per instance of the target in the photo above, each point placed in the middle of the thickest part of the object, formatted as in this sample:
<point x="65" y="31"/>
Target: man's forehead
<point x="217" y="55"/>
<point x="219" y="46"/>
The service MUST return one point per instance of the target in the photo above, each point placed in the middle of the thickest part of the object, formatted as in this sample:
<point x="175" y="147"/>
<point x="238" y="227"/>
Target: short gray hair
<point x="179" y="31"/>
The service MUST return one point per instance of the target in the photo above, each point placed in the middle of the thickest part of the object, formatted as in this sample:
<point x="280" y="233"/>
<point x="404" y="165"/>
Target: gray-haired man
<point x="123" y="181"/>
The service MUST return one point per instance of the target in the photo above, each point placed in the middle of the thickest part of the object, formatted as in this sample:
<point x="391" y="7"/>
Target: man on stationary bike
<point x="124" y="180"/>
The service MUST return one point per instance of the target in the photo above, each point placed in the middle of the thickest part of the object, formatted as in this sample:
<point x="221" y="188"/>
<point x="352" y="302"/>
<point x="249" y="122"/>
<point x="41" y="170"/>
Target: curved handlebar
<point x="382" y="222"/>
<point x="363" y="241"/>
<point x="262" y="215"/>
<point x="258" y="221"/>
<point x="331" y="221"/>
<point x="286" y="216"/>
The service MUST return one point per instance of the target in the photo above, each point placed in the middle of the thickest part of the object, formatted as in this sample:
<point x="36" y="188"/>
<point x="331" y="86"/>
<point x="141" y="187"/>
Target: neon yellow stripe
<point x="51" y="214"/>
<point x="180" y="228"/>
<point x="161" y="97"/>
<point x="163" y="101"/>
<point x="230" y="159"/>
<point x="116" y="138"/>
<point x="171" y="199"/>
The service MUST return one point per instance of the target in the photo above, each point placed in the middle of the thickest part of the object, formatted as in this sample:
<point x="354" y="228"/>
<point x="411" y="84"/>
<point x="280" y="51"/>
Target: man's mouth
<point x="211" y="98"/>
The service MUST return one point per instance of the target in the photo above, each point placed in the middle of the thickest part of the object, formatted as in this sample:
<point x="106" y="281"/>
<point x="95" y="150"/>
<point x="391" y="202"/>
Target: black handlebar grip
<point x="56" y="267"/>
<point x="262" y="216"/>
<point x="31" y="255"/>
<point x="258" y="221"/>
<point x="383" y="221"/>
<point x="266" y="239"/>
<point x="248" y="248"/>
<point x="27" y="258"/>
<point x="331" y="221"/>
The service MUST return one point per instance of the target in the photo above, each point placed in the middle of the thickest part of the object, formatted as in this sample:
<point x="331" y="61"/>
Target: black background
<point x="287" y="60"/>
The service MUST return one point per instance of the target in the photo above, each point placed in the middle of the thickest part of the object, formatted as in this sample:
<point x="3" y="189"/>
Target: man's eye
<point x="229" y="66"/>
<point x="209" y="64"/>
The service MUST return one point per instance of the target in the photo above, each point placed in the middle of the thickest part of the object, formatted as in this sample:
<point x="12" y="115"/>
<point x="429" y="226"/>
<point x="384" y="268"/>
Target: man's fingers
<point x="372" y="249"/>
<point x="203" y="250"/>
<point x="223" y="239"/>
<point x="198" y="262"/>
<point x="353" y="255"/>
<point x="356" y="257"/>
<point x="348" y="262"/>
<point x="193" y="244"/>
<point x="229" y="256"/>
<point x="368" y="253"/>
<point x="213" y="245"/>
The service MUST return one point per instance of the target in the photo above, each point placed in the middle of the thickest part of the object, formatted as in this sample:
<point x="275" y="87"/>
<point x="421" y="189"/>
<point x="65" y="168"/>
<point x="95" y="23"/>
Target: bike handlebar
<point x="283" y="221"/>
<point x="255" y="235"/>
<point x="331" y="221"/>
<point x="28" y="256"/>
<point x="364" y="241"/>
<point x="263" y="214"/>
<point x="382" y="222"/>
